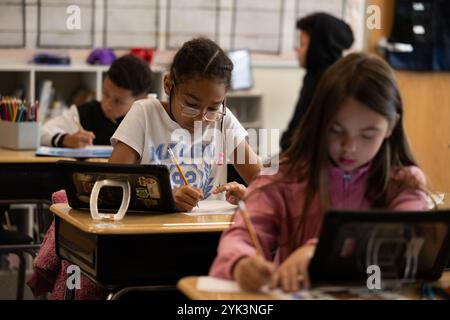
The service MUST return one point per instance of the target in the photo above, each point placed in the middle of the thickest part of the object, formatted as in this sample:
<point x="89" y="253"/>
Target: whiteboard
<point x="52" y="28"/>
<point x="131" y="23"/>
<point x="12" y="24"/>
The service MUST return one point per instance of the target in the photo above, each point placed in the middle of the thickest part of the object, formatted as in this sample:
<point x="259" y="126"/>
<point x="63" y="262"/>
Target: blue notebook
<point x="88" y="152"/>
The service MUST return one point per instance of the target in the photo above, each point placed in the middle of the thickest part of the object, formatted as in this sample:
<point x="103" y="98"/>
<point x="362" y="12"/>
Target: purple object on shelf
<point x="102" y="56"/>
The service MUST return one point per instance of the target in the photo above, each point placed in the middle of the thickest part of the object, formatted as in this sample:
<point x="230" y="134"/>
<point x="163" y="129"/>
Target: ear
<point x="392" y="125"/>
<point x="167" y="84"/>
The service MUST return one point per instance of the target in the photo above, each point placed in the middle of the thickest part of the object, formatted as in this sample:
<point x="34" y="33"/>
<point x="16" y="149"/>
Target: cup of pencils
<point x="19" y="126"/>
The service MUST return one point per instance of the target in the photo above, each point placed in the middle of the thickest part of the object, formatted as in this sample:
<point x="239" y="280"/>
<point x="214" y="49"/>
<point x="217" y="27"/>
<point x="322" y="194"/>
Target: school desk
<point x="25" y="177"/>
<point x="142" y="249"/>
<point x="188" y="286"/>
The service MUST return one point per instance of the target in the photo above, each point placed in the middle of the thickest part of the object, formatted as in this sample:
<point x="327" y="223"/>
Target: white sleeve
<point x="63" y="124"/>
<point x="132" y="129"/>
<point x="235" y="133"/>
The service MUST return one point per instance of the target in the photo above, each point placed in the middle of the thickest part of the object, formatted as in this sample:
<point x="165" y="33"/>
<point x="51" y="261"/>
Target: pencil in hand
<point x="251" y="230"/>
<point x="175" y="161"/>
<point x="180" y="171"/>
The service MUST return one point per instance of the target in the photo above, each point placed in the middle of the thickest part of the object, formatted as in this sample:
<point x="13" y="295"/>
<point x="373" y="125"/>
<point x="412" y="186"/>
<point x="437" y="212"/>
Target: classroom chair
<point x="18" y="243"/>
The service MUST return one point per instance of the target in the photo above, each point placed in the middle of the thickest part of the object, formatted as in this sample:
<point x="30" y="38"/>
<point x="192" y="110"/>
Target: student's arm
<point x="251" y="166"/>
<point x="123" y="153"/>
<point x="406" y="193"/>
<point x="266" y="209"/>
<point x="54" y="129"/>
<point x="248" y="168"/>
<point x="63" y="131"/>
<point x="185" y="197"/>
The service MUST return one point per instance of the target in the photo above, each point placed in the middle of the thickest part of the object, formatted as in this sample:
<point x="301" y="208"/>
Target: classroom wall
<point x="426" y="100"/>
<point x="280" y="87"/>
<point x="278" y="77"/>
<point x="261" y="25"/>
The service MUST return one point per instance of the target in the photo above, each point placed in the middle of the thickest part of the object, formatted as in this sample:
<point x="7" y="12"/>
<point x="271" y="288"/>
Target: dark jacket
<point x="329" y="37"/>
<point x="93" y="119"/>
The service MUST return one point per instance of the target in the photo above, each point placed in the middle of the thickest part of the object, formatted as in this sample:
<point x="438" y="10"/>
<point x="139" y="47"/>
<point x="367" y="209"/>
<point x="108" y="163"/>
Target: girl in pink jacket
<point x="350" y="152"/>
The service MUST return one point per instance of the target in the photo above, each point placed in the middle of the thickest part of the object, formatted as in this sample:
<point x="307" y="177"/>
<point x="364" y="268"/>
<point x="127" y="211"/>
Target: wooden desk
<point x="142" y="249"/>
<point x="188" y="286"/>
<point x="13" y="156"/>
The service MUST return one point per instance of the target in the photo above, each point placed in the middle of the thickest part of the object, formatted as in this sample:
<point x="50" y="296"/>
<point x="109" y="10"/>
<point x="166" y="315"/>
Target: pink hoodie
<point x="274" y="213"/>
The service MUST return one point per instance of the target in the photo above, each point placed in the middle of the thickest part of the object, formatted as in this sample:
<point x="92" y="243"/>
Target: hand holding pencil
<point x="80" y="139"/>
<point x="186" y="197"/>
<point x="252" y="272"/>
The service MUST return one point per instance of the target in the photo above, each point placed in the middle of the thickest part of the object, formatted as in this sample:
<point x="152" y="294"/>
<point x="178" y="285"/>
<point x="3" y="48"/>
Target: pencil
<point x="250" y="229"/>
<point x="172" y="155"/>
<point x="14" y="106"/>
<point x="36" y="110"/>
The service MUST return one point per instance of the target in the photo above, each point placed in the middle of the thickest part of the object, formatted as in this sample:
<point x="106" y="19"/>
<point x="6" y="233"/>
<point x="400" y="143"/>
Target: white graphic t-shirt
<point x="148" y="129"/>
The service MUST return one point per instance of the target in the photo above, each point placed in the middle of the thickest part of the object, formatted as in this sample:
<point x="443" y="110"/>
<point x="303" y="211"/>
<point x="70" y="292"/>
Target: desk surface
<point x="134" y="223"/>
<point x="7" y="155"/>
<point x="28" y="156"/>
<point x="188" y="286"/>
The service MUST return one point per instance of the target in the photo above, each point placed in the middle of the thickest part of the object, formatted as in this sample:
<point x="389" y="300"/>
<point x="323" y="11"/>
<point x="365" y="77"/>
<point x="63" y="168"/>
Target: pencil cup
<point x="19" y="135"/>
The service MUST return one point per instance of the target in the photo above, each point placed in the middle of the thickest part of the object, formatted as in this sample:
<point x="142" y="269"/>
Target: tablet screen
<point x="241" y="77"/>
<point x="404" y="245"/>
<point x="391" y="246"/>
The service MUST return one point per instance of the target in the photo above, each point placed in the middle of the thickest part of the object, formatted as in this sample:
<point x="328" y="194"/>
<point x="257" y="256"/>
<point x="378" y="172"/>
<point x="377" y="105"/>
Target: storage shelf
<point x="246" y="105"/>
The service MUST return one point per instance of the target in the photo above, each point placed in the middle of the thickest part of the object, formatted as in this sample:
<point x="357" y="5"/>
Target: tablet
<point x="150" y="186"/>
<point x="241" y="76"/>
<point x="402" y="244"/>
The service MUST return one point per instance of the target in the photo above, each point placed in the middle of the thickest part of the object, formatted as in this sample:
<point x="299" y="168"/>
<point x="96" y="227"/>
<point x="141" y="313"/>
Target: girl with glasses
<point x="195" y="123"/>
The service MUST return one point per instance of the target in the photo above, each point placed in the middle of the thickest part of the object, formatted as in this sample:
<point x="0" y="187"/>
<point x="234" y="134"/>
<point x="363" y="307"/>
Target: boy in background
<point x="93" y="123"/>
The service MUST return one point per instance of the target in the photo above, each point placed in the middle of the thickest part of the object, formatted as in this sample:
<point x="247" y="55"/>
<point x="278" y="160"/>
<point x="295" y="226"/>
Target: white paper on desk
<point x="211" y="284"/>
<point x="212" y="207"/>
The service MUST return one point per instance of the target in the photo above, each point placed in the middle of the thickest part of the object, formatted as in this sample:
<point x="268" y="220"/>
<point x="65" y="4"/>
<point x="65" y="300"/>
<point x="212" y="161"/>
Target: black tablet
<point x="402" y="244"/>
<point x="150" y="186"/>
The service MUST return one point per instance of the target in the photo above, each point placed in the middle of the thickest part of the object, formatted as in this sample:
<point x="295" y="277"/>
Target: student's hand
<point x="251" y="273"/>
<point x="294" y="267"/>
<point x="80" y="139"/>
<point x="235" y="192"/>
<point x="187" y="197"/>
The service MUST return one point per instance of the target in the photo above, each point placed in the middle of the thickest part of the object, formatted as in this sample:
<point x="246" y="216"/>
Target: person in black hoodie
<point x="323" y="38"/>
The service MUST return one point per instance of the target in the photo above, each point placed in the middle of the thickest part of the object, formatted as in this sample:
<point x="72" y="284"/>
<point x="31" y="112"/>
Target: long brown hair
<point x="369" y="80"/>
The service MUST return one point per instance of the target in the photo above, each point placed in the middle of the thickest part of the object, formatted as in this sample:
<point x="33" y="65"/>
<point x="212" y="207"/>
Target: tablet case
<point x="352" y="241"/>
<point x="150" y="186"/>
